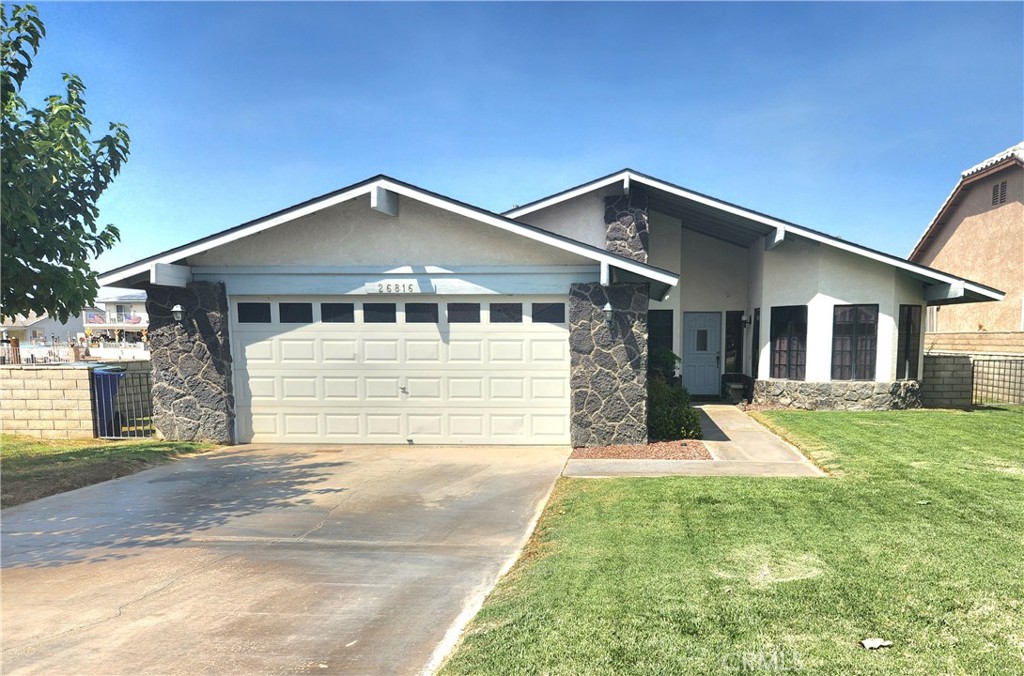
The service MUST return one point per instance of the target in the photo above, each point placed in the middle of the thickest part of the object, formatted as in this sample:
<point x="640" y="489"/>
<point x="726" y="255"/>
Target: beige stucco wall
<point x="581" y="218"/>
<point x="352" y="234"/>
<point x="984" y="243"/>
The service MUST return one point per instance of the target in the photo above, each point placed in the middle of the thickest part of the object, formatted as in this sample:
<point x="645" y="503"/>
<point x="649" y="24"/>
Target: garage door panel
<point x="260" y="387"/>
<point x="342" y="425"/>
<point x="397" y="383"/>
<point x="380" y="351"/>
<point x="461" y="425"/>
<point x="265" y="424"/>
<point x="465" y="351"/>
<point x="341" y="388"/>
<point x="513" y="351"/>
<point x="297" y="350"/>
<point x="465" y="388"/>
<point x="424" y="388"/>
<point x="301" y="424"/>
<point x="426" y="424"/>
<point x="335" y="351"/>
<point x="383" y="427"/>
<point x="382" y="388"/>
<point x="548" y="351"/>
<point x="299" y="388"/>
<point x="423" y="351"/>
<point x="507" y="388"/>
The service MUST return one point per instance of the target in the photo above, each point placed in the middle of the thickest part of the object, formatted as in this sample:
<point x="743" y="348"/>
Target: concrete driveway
<point x="286" y="559"/>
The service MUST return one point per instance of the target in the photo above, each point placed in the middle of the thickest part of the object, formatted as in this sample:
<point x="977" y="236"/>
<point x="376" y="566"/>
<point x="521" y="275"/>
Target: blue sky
<point x="854" y="119"/>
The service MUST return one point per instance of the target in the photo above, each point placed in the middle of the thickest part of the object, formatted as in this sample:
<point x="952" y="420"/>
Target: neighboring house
<point x="979" y="233"/>
<point x="42" y="329"/>
<point x="122" y="319"/>
<point x="386" y="313"/>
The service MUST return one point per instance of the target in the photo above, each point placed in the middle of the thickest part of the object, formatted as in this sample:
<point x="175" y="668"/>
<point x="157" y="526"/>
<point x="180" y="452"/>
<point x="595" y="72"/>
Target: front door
<point x="702" y="355"/>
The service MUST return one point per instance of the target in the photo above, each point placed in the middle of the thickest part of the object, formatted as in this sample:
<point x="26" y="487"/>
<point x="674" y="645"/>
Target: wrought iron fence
<point x="998" y="381"/>
<point x="122" y="403"/>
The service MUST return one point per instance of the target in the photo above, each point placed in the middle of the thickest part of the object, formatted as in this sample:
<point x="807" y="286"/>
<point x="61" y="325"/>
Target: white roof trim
<point x="789" y="228"/>
<point x="501" y="222"/>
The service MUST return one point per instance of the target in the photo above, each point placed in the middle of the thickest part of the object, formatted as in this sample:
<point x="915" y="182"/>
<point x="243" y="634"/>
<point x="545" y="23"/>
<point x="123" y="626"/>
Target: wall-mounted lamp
<point x="746" y="320"/>
<point x="609" y="314"/>
<point x="177" y="313"/>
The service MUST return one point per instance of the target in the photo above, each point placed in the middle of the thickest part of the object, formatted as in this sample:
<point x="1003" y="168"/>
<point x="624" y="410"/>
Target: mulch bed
<point x="691" y="449"/>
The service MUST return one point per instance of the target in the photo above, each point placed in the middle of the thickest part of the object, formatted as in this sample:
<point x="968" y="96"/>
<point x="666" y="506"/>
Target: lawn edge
<point x="456" y="632"/>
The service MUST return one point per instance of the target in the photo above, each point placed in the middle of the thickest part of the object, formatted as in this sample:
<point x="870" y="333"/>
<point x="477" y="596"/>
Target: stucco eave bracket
<point x="774" y="238"/>
<point x="939" y="294"/>
<point x="384" y="200"/>
<point x="167" y="274"/>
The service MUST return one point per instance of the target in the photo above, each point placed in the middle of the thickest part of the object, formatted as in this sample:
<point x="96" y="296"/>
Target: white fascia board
<point x="111" y="279"/>
<point x="541" y="236"/>
<point x="622" y="176"/>
<point x="500" y="222"/>
<point x="789" y="228"/>
<point x="389" y="270"/>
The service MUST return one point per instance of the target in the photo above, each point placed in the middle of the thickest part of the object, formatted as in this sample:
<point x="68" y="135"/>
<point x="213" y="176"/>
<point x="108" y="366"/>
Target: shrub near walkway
<point x="919" y="539"/>
<point x="32" y="468"/>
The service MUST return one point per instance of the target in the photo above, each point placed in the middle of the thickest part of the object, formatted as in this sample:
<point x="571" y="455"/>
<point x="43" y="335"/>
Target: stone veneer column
<point x="192" y="393"/>
<point x="626" y="226"/>
<point x="608" y="364"/>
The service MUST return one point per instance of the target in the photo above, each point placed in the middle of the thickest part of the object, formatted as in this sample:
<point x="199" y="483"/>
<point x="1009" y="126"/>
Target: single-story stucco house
<point x="385" y="313"/>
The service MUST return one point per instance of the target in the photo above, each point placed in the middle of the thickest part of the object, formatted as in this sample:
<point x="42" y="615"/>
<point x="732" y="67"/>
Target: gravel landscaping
<point x="691" y="449"/>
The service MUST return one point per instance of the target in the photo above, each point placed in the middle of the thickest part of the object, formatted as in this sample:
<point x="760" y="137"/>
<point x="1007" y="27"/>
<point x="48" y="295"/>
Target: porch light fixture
<point x="608" y="314"/>
<point x="177" y="313"/>
<point x="746" y="320"/>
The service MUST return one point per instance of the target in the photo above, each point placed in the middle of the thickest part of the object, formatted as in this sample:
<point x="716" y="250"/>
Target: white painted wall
<point x="803" y="273"/>
<point x="755" y="299"/>
<point x="352" y="234"/>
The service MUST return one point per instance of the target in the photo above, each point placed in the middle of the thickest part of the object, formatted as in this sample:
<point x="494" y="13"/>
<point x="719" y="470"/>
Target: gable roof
<point x="663" y="278"/>
<point x="1013" y="156"/>
<point x="734" y="223"/>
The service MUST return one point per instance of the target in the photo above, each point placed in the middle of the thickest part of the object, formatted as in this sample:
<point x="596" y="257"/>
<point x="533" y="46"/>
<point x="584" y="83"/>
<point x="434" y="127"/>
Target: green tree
<point x="52" y="173"/>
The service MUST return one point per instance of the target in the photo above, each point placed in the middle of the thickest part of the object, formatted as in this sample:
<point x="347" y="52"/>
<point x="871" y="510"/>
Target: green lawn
<point x="33" y="468"/>
<point x="918" y="538"/>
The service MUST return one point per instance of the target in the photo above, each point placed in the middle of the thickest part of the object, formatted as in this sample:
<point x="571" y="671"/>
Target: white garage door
<point x="423" y="369"/>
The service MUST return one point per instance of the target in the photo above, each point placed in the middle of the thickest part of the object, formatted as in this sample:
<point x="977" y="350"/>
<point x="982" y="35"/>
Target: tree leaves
<point x="51" y="175"/>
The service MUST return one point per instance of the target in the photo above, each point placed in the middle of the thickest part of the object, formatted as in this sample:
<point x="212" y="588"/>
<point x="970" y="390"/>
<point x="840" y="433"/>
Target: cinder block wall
<point x="49" y="402"/>
<point x="947" y="381"/>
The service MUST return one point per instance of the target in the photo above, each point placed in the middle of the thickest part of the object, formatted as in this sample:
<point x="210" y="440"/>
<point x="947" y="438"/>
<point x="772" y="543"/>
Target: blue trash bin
<point x="105" y="382"/>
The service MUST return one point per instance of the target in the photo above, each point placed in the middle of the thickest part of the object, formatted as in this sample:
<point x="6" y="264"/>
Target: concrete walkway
<point x="739" y="445"/>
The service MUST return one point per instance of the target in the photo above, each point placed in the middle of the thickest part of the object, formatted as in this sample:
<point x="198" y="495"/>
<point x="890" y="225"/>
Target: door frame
<point x="719" y="348"/>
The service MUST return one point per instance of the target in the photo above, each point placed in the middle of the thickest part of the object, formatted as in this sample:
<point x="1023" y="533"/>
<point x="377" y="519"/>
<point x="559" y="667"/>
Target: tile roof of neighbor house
<point x="1012" y="155"/>
<point x="1016" y="152"/>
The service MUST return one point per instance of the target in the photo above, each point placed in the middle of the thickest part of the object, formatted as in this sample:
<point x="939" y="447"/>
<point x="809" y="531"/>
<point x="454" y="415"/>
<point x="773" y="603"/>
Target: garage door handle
<point x="403" y="390"/>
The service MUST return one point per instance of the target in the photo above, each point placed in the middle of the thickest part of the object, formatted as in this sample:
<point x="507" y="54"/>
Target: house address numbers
<point x="398" y="286"/>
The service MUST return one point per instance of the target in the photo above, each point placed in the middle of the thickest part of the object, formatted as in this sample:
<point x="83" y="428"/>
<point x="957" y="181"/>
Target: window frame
<point x="795" y="365"/>
<point x="859" y="371"/>
<point x="293" y="305"/>
<point x="392" y="320"/>
<point x="546" y="305"/>
<point x="267" y="304"/>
